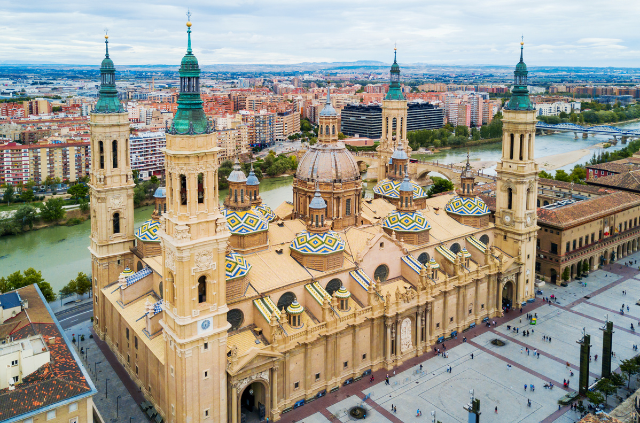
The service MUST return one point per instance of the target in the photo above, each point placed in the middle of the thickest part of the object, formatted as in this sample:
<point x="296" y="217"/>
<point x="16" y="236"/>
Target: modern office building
<point x="365" y="120"/>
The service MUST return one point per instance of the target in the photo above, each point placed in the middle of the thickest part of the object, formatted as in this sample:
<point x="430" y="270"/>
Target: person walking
<point x="496" y="409"/>
<point x="472" y="356"/>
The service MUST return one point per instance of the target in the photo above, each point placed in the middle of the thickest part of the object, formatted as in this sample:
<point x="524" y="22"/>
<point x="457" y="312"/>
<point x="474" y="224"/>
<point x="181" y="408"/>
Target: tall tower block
<point x="194" y="238"/>
<point x="517" y="188"/>
<point x="394" y="121"/>
<point x="111" y="187"/>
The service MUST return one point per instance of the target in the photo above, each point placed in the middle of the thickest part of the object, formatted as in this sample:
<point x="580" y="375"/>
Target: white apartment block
<point x="554" y="109"/>
<point x="145" y="150"/>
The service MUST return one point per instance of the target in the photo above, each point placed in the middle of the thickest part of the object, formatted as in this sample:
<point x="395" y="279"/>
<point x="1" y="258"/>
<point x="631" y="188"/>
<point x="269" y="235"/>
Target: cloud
<point x="569" y="33"/>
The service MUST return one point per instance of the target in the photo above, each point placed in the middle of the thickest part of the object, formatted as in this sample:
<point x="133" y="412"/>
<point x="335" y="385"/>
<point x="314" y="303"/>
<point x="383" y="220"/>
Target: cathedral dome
<point x="236" y="266"/>
<point x="317" y="243"/>
<point x="252" y="179"/>
<point x="148" y="232"/>
<point x="267" y="214"/>
<point x="245" y="222"/>
<point x="390" y="189"/>
<point x="405" y="222"/>
<point x="328" y="163"/>
<point x="467" y="206"/>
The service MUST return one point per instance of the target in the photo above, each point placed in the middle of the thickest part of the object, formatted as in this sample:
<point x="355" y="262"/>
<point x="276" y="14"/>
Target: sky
<point x="444" y="32"/>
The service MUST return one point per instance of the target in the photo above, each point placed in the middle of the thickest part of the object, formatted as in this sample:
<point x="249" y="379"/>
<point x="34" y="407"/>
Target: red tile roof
<point x="628" y="181"/>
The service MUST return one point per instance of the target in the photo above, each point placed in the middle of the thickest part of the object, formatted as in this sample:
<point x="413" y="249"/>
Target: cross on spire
<point x="189" y="31"/>
<point x="188" y="15"/>
<point x="106" y="42"/>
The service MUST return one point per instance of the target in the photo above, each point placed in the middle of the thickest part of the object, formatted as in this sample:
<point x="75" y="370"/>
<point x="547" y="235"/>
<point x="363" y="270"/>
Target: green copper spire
<point x="395" y="93"/>
<point x="520" y="93"/>
<point x="108" y="96"/>
<point x="190" y="117"/>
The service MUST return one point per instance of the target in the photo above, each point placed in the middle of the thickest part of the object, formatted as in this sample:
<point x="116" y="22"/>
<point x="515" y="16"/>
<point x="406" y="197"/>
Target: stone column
<point x="398" y="350"/>
<point x="307" y="367"/>
<point x="354" y="348"/>
<point x="387" y="347"/>
<point x="274" y="392"/>
<point x="234" y="404"/>
<point x="419" y="331"/>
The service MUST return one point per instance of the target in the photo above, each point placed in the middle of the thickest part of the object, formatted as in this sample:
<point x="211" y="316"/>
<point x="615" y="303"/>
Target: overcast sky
<point x="456" y="32"/>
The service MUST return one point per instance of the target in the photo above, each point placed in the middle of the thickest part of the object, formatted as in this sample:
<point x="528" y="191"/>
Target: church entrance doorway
<point x="554" y="276"/>
<point x="507" y="296"/>
<point x="253" y="403"/>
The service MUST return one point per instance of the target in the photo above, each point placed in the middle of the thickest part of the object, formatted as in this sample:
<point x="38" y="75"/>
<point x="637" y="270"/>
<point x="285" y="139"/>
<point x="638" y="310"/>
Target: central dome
<point x="328" y="163"/>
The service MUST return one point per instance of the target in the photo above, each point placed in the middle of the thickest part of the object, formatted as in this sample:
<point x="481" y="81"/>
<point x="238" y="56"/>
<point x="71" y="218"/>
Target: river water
<point x="61" y="252"/>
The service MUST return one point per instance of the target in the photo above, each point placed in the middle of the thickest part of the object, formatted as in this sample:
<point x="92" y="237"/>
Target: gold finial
<point x="522" y="41"/>
<point x="188" y="18"/>
<point x="106" y="34"/>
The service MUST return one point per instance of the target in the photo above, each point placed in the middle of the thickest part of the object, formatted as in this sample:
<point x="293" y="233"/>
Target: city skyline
<point x="556" y="34"/>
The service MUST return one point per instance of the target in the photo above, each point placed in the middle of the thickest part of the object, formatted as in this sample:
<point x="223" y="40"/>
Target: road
<point x="75" y="315"/>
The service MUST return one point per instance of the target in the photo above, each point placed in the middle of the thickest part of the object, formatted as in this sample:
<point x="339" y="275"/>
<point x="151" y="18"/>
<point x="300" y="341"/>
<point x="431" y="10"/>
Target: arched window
<point x="528" y="198"/>
<point x="114" y="153"/>
<point x="320" y="129"/>
<point x="347" y="207"/>
<point x="139" y="266"/>
<point x="424" y="258"/>
<point x="170" y="290"/>
<point x="333" y="129"/>
<point x="200" y="188"/>
<point x="546" y="203"/>
<point x="286" y="299"/>
<point x="242" y="195"/>
<point x="183" y="190"/>
<point x="521" y="146"/>
<point x="161" y="291"/>
<point x="455" y="248"/>
<point x="538" y="202"/>
<point x="381" y="273"/>
<point x="101" y="148"/>
<point x="511" y="148"/>
<point x="202" y="289"/>
<point x="235" y="317"/>
<point x="509" y="198"/>
<point x="484" y="239"/>
<point x="235" y="195"/>
<point x="116" y="223"/>
<point x="326" y="130"/>
<point x="333" y="286"/>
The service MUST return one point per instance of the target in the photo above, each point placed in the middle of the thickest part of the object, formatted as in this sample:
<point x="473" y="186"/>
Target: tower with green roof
<point x="516" y="191"/>
<point x="111" y="188"/>
<point x="394" y="120"/>
<point x="194" y="238"/>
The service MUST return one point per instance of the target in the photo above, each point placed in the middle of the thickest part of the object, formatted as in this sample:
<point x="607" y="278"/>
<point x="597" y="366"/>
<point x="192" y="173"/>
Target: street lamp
<point x="106" y="388"/>
<point x="117" y="405"/>
<point x="95" y="369"/>
<point x="86" y="354"/>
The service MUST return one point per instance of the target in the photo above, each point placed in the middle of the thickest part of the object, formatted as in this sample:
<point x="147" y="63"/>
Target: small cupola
<point x="317" y="213"/>
<point x="342" y="296"/>
<point x="405" y="191"/>
<point x="253" y="188"/>
<point x="399" y="166"/>
<point x="467" y="180"/>
<point x="238" y="197"/>
<point x="294" y="314"/>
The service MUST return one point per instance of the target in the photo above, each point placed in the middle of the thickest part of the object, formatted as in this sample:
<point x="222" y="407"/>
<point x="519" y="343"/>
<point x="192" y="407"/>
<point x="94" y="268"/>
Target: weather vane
<point x="106" y="32"/>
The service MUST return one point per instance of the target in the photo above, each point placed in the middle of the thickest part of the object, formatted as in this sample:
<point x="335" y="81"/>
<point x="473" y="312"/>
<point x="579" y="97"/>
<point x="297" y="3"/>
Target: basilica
<point x="235" y="312"/>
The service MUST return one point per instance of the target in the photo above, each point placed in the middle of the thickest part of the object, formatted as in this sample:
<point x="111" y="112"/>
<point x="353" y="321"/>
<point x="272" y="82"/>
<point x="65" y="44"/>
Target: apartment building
<point x="145" y="149"/>
<point x="287" y="123"/>
<point x="557" y="107"/>
<point x="14" y="164"/>
<point x="261" y="127"/>
<point x="38" y="106"/>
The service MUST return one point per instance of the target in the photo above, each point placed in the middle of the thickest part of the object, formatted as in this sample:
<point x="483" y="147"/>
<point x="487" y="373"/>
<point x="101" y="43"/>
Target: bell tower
<point x="111" y="189"/>
<point x="394" y="121"/>
<point x="516" y="228"/>
<point x="194" y="238"/>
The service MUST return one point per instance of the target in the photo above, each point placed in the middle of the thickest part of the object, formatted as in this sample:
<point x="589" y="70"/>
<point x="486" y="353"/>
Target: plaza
<point x="497" y="374"/>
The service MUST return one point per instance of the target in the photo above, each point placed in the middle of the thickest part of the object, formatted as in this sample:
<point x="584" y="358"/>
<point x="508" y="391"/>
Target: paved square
<point x="497" y="374"/>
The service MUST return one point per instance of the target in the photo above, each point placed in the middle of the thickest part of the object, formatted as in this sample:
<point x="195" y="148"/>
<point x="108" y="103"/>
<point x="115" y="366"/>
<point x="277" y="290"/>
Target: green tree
<point x="585" y="266"/>
<point x="79" y="286"/>
<point x="439" y="185"/>
<point x="26" y="215"/>
<point x="28" y="277"/>
<point x="544" y="174"/>
<point x="606" y="387"/>
<point x="596" y="398"/>
<point x="52" y="210"/>
<point x="27" y="195"/>
<point x="341" y="136"/>
<point x="84" y="205"/>
<point x="154" y="180"/>
<point x="561" y="175"/>
<point x="629" y="368"/>
<point x="78" y="192"/>
<point x="578" y="174"/>
<point x="9" y="196"/>
<point x="565" y="274"/>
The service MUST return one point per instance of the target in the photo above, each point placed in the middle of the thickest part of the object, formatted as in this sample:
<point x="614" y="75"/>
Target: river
<point x="61" y="252"/>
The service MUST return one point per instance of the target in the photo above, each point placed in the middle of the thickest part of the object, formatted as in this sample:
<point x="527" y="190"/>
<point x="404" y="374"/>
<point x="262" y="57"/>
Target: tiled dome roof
<point x="148" y="232"/>
<point x="268" y="214"/>
<point x="391" y="189"/>
<point x="317" y="243"/>
<point x="236" y="266"/>
<point x="245" y="222"/>
<point x="295" y="308"/>
<point x="406" y="222"/>
<point x="467" y="206"/>
<point x="342" y="293"/>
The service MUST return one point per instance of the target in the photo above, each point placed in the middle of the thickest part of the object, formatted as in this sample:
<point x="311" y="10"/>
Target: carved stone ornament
<point x="508" y="184"/>
<point x="203" y="260"/>
<point x="405" y="335"/>
<point x="247" y="380"/>
<point x="116" y="202"/>
<point x="507" y="218"/>
<point x="530" y="219"/>
<point x="508" y="278"/>
<point x="181" y="233"/>
<point x="170" y="261"/>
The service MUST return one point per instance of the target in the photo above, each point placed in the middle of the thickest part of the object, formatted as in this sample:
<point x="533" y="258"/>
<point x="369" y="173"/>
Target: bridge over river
<point x="420" y="170"/>
<point x="586" y="130"/>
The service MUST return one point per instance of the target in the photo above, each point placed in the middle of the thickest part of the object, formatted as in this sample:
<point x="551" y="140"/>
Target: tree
<point x="9" y="194"/>
<point x="78" y="192"/>
<point x="154" y="180"/>
<point x="79" y="286"/>
<point x="544" y="174"/>
<point x="606" y="387"/>
<point x="28" y="277"/>
<point x="596" y="398"/>
<point x="561" y="175"/>
<point x="84" y="205"/>
<point x="27" y="195"/>
<point x="629" y="368"/>
<point x="578" y="174"/>
<point x="565" y="274"/>
<point x="26" y="215"/>
<point x="585" y="266"/>
<point x="52" y="210"/>
<point x="439" y="185"/>
<point x="341" y="136"/>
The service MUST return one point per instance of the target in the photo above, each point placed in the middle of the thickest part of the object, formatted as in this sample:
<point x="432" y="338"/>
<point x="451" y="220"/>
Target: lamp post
<point x="86" y="354"/>
<point x="106" y="388"/>
<point x="95" y="369"/>
<point x="117" y="405"/>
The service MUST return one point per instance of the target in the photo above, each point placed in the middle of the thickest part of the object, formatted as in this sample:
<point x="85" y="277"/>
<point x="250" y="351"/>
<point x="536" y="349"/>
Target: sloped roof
<point x="628" y="181"/>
